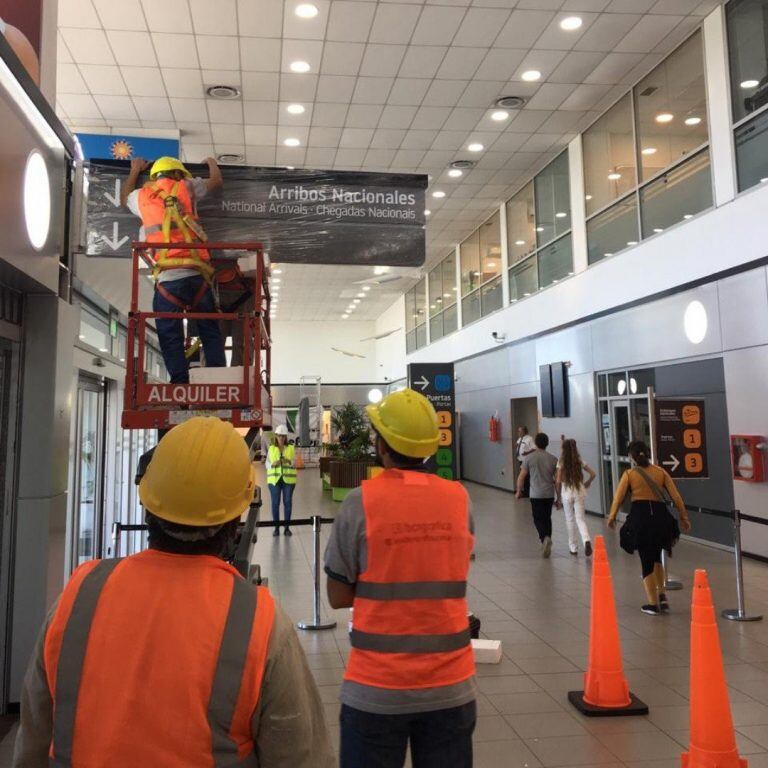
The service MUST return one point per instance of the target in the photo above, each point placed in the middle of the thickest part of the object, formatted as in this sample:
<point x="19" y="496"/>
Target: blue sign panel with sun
<point x="100" y="146"/>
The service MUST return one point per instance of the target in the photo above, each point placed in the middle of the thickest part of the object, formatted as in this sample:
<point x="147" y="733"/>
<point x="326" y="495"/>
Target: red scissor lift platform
<point x="243" y="400"/>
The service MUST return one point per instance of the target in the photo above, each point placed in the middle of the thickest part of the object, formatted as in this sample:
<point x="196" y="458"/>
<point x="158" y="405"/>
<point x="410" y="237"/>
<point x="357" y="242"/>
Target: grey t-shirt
<point x="346" y="557"/>
<point x="541" y="467"/>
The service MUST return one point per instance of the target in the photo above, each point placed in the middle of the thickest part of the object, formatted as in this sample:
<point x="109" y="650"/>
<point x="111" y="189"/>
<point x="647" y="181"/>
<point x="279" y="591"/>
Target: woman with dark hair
<point x="650" y="522"/>
<point x="573" y="494"/>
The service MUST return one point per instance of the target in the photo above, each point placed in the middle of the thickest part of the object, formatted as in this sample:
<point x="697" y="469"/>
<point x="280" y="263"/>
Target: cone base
<point x="635" y="707"/>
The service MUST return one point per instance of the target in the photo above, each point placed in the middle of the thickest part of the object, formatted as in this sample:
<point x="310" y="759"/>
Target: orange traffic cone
<point x="606" y="692"/>
<point x="299" y="460"/>
<point x="712" y="742"/>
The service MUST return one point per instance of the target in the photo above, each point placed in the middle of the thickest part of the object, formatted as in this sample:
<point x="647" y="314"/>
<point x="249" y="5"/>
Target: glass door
<point x="622" y="436"/>
<point x="88" y="486"/>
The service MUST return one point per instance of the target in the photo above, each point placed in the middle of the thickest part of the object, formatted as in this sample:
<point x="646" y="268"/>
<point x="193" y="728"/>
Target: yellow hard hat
<point x="166" y="164"/>
<point x="407" y="422"/>
<point x="200" y="474"/>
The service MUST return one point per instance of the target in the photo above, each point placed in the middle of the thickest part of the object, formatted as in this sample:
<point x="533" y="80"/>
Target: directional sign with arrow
<point x="421" y="383"/>
<point x="113" y="242"/>
<point x="114" y="199"/>
<point x="681" y="438"/>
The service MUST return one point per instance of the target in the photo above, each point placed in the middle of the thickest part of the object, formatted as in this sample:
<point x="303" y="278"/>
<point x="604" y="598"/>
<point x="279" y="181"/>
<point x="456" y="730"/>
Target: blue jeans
<point x="286" y="490"/>
<point x="440" y="739"/>
<point x="171" y="332"/>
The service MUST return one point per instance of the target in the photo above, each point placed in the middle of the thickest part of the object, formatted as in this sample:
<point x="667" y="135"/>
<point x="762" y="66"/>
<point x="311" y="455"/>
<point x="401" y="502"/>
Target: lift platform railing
<point x="245" y="402"/>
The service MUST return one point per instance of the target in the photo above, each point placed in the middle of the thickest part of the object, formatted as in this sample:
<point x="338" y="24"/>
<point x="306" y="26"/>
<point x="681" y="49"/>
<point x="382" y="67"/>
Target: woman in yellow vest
<point x="281" y="476"/>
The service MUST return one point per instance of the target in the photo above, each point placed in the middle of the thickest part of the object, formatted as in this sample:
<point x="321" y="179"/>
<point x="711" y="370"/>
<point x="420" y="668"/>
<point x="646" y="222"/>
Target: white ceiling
<point x="395" y="86"/>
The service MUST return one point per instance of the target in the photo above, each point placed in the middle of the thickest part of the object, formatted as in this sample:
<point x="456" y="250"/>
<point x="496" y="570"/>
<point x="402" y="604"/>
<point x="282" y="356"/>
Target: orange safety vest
<point x="157" y="659"/>
<point x="168" y="216"/>
<point x="410" y="626"/>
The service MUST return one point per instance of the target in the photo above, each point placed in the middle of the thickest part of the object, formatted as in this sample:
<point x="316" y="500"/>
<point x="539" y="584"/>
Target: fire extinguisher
<point x="494" y="428"/>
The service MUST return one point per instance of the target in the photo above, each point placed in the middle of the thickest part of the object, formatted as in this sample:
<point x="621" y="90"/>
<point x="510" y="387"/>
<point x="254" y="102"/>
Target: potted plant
<point x="353" y="453"/>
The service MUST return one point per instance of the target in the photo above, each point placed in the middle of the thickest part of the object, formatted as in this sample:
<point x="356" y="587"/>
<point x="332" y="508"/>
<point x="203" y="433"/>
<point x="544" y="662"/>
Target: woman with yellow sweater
<point x="650" y="522"/>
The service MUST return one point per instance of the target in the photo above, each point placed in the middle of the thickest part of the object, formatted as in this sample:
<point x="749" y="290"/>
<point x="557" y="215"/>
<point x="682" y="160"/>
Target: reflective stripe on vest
<point x="230" y="668"/>
<point x="275" y="472"/>
<point x="410" y="625"/>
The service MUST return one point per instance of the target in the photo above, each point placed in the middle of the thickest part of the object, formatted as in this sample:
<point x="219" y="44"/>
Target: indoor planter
<point x="353" y="453"/>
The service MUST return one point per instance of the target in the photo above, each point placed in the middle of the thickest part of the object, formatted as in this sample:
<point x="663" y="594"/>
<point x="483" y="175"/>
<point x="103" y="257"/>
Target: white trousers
<point x="574" y="509"/>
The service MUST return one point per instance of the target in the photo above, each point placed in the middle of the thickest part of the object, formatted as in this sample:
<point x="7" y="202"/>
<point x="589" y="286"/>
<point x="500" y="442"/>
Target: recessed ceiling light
<point x="747" y="84"/>
<point x="614" y="176"/>
<point x="275" y="280"/>
<point x="344" y="317"/>
<point x="650" y="151"/>
<point x="588" y="197"/>
<point x="519" y="242"/>
<point x="355" y="301"/>
<point x="762" y="181"/>
<point x="366" y="288"/>
<point x="571" y="22"/>
<point x="427" y="211"/>
<point x="438" y="193"/>
<point x="499" y="115"/>
<point x="631" y="242"/>
<point x="277" y="271"/>
<point x="539" y="229"/>
<point x="291" y="142"/>
<point x="692" y="120"/>
<point x="446" y="295"/>
<point x="454" y="173"/>
<point x="380" y="270"/>
<point x="300" y="67"/>
<point x="665" y="117"/>
<point x="295" y="109"/>
<point x="475" y="147"/>
<point x="531" y="75"/>
<point x="306" y="11"/>
<point x="688" y="216"/>
<point x="657" y="230"/>
<point x="360" y="295"/>
<point x="561" y="215"/>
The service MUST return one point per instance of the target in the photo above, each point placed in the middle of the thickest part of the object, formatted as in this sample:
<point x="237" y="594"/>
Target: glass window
<point x="436" y="327"/>
<point x="420" y="302"/>
<point x="612" y="231"/>
<point x="521" y="225"/>
<point x="469" y="252"/>
<point x="421" y="336"/>
<point x="435" y="290"/>
<point x="450" y="320"/>
<point x="671" y="109"/>
<point x="470" y="308"/>
<point x="640" y="380"/>
<point x="677" y="195"/>
<point x="748" y="51"/>
<point x="491" y="298"/>
<point x="490" y="248"/>
<point x="94" y="330"/>
<point x="617" y="384"/>
<point x="553" y="200"/>
<point x="449" y="279"/>
<point x="523" y="280"/>
<point x="410" y="342"/>
<point x="555" y="262"/>
<point x="410" y="311"/>
<point x="122" y="345"/>
<point x="609" y="156"/>
<point x="752" y="152"/>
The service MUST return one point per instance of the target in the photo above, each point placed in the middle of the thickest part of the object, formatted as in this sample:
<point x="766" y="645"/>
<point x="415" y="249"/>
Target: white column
<point x="457" y="260"/>
<point x="719" y="107"/>
<point x="504" y="255"/>
<point x="578" y="205"/>
<point x="429" y="317"/>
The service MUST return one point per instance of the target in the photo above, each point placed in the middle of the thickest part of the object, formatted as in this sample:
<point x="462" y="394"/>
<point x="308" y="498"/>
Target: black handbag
<point x="628" y="535"/>
<point x="666" y="500"/>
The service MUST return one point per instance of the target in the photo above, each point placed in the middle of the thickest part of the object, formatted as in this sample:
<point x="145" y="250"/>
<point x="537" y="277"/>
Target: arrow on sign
<point x="116" y="199"/>
<point x="423" y="383"/>
<point x="113" y="242"/>
<point x="674" y="464"/>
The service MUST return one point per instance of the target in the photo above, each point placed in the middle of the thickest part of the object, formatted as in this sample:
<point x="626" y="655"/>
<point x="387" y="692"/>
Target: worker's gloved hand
<point x="139" y="164"/>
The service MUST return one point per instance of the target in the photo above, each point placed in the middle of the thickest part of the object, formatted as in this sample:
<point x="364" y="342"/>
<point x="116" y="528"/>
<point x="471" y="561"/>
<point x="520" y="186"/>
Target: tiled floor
<point x="540" y="610"/>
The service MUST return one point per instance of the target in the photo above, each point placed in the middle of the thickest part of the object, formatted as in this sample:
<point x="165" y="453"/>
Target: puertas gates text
<point x="300" y="216"/>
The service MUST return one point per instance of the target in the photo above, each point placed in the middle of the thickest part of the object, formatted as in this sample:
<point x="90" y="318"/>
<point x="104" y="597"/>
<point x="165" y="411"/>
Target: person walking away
<point x="399" y="554"/>
<point x="281" y="477"/>
<point x="541" y="467"/>
<point x="650" y="522"/>
<point x="572" y="490"/>
<point x="169" y="657"/>
<point x="167" y="207"/>
<point x="523" y="447"/>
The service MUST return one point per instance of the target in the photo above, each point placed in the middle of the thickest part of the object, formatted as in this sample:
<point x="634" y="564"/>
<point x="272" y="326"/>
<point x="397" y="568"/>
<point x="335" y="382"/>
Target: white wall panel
<point x="743" y="303"/>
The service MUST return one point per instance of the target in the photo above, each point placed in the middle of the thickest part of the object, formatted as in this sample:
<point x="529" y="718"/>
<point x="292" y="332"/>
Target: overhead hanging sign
<point x="436" y="382"/>
<point x="300" y="216"/>
<point x="109" y="146"/>
<point x="681" y="438"/>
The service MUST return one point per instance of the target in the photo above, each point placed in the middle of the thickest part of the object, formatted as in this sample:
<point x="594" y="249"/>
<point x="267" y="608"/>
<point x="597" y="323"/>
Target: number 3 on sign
<point x="446" y="438"/>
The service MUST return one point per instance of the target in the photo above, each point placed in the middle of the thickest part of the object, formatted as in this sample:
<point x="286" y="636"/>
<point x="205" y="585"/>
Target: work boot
<point x="288" y="531"/>
<point x="276" y="532"/>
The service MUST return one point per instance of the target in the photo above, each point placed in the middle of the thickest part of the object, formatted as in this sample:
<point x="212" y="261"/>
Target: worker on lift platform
<point x="184" y="278"/>
<point x="168" y="657"/>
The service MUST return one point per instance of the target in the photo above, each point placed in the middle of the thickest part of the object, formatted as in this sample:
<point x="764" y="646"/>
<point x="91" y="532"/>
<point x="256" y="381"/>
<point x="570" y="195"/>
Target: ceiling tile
<point x="294" y="132"/>
<point x="480" y="26"/>
<point x="464" y="118"/>
<point x="363" y="116"/>
<point x="228" y="134"/>
<point x="649" y="31"/>
<point x="449" y="140"/>
<point x="193" y="152"/>
<point x="258" y="86"/>
<point x="286" y="118"/>
<point x="306" y="29"/>
<point x="260" y="54"/>
<point x="127" y="14"/>
<point x="408" y="91"/>
<point x="419" y="139"/>
<point x="499" y="64"/>
<point x="260" y="18"/>
<point x="324" y="137"/>
<point x="422" y="60"/>
<point x="214" y="18"/>
<point x="225" y="111"/>
<point x="62" y="52"/>
<point x="380" y="158"/>
<point x="180" y="83"/>
<point x="430" y="117"/>
<point x="394" y="23"/>
<point x="342" y="58"/>
<point x="69" y="79"/>
<point x="461" y="63"/>
<point x="408" y="158"/>
<point x="585" y="96"/>
<point x="327" y="115"/>
<point x="294" y="156"/>
<point x="481" y="93"/>
<point x="544" y="61"/>
<point x="397" y="116"/>
<point x="613" y="68"/>
<point x="79" y="13"/>
<point x="372" y="90"/>
<point x="90" y="46"/>
<point x="189" y="110"/>
<point x="166" y="16"/>
<point x="561" y="121"/>
<point x="218" y="52"/>
<point x="550" y="96"/>
<point x="103" y="79"/>
<point x="523" y="27"/>
<point x="152" y="108"/>
<point x="444" y="93"/>
<point x="198" y="133"/>
<point x="382" y="60"/>
<point x="528" y="120"/>
<point x="576" y="67"/>
<point x="172" y="49"/>
<point x="556" y="38"/>
<point x="585" y="5"/>
<point x="350" y="21"/>
<point x="387" y="138"/>
<point x="437" y="25"/>
<point x="116" y="107"/>
<point x="310" y="51"/>
<point x="349" y="158"/>
<point x="630" y="6"/>
<point x="260" y="112"/>
<point x="335" y="88"/>
<point x="298" y="87"/>
<point x="145" y="81"/>
<point x="79" y="105"/>
<point x="356" y="138"/>
<point x="260" y="155"/>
